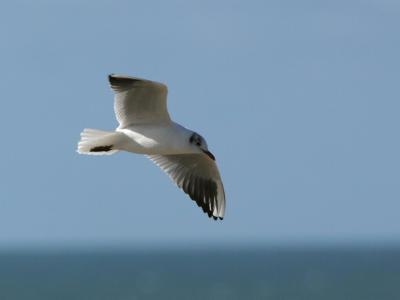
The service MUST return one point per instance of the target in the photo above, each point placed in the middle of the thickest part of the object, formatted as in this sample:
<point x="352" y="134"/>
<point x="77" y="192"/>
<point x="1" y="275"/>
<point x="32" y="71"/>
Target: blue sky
<point x="299" y="102"/>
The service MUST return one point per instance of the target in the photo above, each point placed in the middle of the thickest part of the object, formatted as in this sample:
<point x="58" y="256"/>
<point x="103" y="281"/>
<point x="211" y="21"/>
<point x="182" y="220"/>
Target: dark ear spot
<point x="192" y="138"/>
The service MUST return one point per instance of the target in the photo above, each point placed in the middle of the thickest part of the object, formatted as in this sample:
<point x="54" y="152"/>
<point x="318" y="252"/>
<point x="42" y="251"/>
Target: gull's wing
<point x="139" y="101"/>
<point x="197" y="175"/>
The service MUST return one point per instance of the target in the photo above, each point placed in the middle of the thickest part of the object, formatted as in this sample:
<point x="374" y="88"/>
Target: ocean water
<point x="225" y="273"/>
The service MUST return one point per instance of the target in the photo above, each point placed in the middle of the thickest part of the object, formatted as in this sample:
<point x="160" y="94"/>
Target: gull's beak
<point x="209" y="154"/>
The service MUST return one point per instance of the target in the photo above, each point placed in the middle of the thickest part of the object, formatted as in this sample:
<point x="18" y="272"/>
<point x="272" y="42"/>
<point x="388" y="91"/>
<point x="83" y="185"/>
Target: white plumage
<point x="146" y="128"/>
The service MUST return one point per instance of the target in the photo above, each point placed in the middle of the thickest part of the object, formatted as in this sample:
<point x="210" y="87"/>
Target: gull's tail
<point x="98" y="142"/>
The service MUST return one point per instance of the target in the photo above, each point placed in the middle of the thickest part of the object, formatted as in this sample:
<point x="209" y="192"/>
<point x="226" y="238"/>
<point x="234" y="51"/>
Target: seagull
<point x="145" y="127"/>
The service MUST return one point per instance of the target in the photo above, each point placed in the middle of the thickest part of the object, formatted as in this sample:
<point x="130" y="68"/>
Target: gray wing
<point x="138" y="101"/>
<point x="198" y="176"/>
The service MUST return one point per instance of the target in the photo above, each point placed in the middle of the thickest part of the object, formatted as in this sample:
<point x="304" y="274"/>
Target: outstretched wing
<point x="139" y="101"/>
<point x="197" y="175"/>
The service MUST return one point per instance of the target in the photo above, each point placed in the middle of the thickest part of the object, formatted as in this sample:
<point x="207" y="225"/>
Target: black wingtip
<point x="102" y="148"/>
<point x="113" y="78"/>
<point x="121" y="83"/>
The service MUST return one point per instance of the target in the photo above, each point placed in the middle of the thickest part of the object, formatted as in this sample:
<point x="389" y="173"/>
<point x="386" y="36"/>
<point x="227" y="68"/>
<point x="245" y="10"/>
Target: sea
<point x="284" y="273"/>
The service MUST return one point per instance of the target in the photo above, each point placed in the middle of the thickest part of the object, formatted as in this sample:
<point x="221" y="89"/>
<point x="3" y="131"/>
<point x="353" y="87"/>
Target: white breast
<point x="170" y="138"/>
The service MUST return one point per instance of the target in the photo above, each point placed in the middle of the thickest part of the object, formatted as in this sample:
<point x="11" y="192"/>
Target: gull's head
<point x="200" y="144"/>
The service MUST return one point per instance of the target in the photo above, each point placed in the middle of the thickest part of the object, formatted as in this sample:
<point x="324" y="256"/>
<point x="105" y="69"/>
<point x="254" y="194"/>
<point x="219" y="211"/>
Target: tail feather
<point x="98" y="142"/>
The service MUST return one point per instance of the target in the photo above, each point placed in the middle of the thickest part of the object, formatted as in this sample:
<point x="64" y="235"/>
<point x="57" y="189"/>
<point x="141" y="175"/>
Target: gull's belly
<point x="154" y="139"/>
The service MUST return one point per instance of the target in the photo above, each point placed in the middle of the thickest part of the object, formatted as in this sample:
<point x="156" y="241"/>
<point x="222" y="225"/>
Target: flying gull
<point x="145" y="127"/>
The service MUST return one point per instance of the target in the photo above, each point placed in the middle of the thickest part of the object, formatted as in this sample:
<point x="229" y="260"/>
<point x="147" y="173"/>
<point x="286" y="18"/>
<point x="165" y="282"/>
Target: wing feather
<point x="198" y="176"/>
<point x="139" y="101"/>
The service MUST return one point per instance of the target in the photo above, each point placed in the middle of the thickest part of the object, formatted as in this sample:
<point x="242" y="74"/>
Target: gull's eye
<point x="198" y="144"/>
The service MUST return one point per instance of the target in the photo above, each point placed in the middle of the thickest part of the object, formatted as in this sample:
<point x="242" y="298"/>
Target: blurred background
<point x="298" y="101"/>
